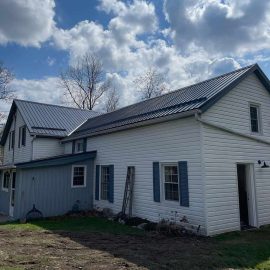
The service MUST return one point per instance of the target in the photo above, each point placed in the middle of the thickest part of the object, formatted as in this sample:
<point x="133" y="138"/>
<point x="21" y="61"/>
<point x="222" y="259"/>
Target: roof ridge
<point x="54" y="105"/>
<point x="182" y="88"/>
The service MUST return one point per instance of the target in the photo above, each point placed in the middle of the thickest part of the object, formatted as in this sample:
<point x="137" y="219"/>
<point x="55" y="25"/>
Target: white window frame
<point x="162" y="167"/>
<point x="72" y="175"/>
<point x="100" y="184"/>
<point x="3" y="175"/>
<point x="258" y="106"/>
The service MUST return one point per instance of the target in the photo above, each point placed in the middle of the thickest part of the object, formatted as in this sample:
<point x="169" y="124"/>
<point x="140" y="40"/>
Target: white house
<point x="201" y="151"/>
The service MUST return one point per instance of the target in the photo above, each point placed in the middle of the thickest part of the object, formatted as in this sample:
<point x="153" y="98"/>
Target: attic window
<point x="255" y="123"/>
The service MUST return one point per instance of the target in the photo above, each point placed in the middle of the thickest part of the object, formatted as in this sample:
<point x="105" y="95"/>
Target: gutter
<point x="134" y="125"/>
<point x="220" y="127"/>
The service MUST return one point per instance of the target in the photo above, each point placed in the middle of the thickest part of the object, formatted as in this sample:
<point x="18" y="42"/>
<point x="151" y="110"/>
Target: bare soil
<point x="25" y="249"/>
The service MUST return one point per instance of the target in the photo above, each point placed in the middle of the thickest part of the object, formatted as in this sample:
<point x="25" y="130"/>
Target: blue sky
<point x="187" y="41"/>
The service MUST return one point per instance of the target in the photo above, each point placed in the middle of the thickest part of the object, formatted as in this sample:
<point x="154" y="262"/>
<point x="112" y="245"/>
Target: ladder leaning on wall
<point x="128" y="193"/>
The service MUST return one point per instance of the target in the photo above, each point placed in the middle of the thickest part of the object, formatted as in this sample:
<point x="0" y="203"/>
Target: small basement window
<point x="5" y="181"/>
<point x="104" y="182"/>
<point x="78" y="176"/>
<point x="171" y="184"/>
<point x="255" y="118"/>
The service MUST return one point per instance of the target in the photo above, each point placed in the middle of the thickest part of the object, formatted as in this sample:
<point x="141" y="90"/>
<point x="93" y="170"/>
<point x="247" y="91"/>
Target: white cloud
<point x="222" y="27"/>
<point x="26" y="22"/>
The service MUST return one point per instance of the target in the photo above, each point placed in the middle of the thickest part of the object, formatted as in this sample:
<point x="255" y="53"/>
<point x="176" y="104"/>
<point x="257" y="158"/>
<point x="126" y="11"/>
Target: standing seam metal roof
<point x="192" y="97"/>
<point x="47" y="119"/>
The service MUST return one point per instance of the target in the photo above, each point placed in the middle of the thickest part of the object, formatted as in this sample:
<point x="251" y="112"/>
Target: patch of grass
<point x="80" y="224"/>
<point x="248" y="249"/>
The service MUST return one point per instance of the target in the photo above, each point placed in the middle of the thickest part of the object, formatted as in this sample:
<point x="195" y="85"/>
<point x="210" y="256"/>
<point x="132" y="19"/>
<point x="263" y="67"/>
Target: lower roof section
<point x="57" y="161"/>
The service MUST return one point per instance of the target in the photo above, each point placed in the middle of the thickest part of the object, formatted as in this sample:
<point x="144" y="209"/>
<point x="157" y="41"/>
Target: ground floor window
<point x="78" y="176"/>
<point x="171" y="183"/>
<point x="104" y="182"/>
<point x="5" y="181"/>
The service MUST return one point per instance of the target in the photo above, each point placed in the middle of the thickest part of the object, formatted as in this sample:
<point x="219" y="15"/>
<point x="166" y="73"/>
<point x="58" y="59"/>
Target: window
<point x="11" y="139"/>
<point x="78" y="176"/>
<point x="255" y="118"/>
<point x="171" y="188"/>
<point x="79" y="146"/>
<point x="5" y="181"/>
<point x="22" y="136"/>
<point x="104" y="182"/>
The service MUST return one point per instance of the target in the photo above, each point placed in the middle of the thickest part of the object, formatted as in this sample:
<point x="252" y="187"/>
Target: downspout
<point x="32" y="147"/>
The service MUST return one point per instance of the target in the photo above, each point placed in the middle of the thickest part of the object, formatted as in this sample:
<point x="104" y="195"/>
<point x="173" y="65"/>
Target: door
<point x="12" y="194"/>
<point x="246" y="192"/>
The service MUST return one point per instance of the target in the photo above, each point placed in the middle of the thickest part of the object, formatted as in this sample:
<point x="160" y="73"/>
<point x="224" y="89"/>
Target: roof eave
<point x="134" y="125"/>
<point x="255" y="68"/>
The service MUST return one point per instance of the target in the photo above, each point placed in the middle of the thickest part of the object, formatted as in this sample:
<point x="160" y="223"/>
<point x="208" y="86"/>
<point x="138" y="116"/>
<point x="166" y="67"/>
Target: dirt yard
<point x="24" y="248"/>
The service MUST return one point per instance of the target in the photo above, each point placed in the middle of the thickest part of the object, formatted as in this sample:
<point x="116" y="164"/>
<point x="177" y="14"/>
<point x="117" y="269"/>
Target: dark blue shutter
<point x="111" y="183"/>
<point x="183" y="183"/>
<point x="84" y="144"/>
<point x="97" y="182"/>
<point x="73" y="147"/>
<point x="156" y="181"/>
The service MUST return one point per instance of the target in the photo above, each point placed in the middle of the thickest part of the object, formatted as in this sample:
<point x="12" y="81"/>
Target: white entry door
<point x="12" y="194"/>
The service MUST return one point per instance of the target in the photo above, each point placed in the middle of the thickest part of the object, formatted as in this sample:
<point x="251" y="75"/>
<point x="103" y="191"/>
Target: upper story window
<point x="78" y="176"/>
<point x="11" y="139"/>
<point x="5" y="181"/>
<point x="79" y="146"/>
<point x="171" y="183"/>
<point x="255" y="121"/>
<point x="22" y="136"/>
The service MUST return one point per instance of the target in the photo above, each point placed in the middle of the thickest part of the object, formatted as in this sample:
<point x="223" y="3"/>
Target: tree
<point x="6" y="93"/>
<point x="5" y="78"/>
<point x="151" y="83"/>
<point x="112" y="102"/>
<point x="85" y="82"/>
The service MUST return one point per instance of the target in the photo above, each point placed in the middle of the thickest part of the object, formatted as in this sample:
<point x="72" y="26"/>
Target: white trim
<point x="251" y="193"/>
<point x="72" y="175"/>
<point x="11" y="208"/>
<point x="2" y="186"/>
<point x="162" y="176"/>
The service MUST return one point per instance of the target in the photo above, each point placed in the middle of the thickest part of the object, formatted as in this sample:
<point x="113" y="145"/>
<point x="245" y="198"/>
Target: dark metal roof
<point x="47" y="119"/>
<point x="57" y="161"/>
<point x="199" y="96"/>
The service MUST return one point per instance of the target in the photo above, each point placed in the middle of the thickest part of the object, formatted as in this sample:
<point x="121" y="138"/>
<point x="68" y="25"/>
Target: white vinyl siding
<point x="233" y="110"/>
<point x="18" y="154"/>
<point x="47" y="147"/>
<point x="167" y="142"/>
<point x="222" y="150"/>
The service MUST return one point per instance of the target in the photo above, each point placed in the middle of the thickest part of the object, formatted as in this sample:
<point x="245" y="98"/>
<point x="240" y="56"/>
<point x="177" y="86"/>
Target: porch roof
<point x="57" y="161"/>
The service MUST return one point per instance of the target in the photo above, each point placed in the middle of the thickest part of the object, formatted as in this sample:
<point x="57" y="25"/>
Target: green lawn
<point x="82" y="224"/>
<point x="96" y="243"/>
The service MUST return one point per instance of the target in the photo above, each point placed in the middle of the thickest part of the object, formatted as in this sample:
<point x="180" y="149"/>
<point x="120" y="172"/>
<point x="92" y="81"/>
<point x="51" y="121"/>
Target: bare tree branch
<point x="85" y="82"/>
<point x="112" y="102"/>
<point x="5" y="78"/>
<point x="150" y="84"/>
